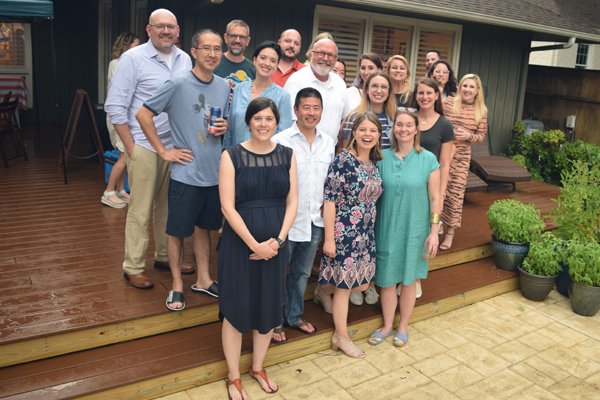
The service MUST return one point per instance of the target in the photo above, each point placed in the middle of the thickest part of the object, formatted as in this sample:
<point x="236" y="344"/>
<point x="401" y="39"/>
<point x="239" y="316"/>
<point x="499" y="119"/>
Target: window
<point x="581" y="62"/>
<point x="357" y="33"/>
<point x="15" y="53"/>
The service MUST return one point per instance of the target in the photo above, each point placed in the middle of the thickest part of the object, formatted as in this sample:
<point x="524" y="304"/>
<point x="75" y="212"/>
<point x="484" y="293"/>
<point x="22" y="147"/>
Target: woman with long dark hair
<point x="367" y="64"/>
<point x="442" y="73"/>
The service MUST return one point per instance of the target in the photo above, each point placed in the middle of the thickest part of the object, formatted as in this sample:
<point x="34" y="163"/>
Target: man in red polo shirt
<point x="290" y="43"/>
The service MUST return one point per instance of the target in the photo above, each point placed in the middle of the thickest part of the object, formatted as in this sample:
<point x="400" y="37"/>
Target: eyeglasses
<point x="322" y="54"/>
<point x="439" y="71"/>
<point x="411" y="111"/>
<point x="377" y="87"/>
<point x="161" y="27"/>
<point x="208" y="49"/>
<point x="234" y="36"/>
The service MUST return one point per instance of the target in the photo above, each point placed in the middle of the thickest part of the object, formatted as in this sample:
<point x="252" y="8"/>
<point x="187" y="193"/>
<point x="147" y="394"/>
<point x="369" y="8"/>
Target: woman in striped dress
<point x="468" y="115"/>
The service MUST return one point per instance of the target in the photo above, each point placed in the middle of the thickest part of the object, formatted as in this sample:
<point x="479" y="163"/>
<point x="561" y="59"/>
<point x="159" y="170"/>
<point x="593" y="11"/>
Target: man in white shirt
<point x="314" y="153"/>
<point x="332" y="88"/>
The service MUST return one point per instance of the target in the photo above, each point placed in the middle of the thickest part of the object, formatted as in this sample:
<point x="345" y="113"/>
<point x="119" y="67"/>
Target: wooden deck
<point x="62" y="292"/>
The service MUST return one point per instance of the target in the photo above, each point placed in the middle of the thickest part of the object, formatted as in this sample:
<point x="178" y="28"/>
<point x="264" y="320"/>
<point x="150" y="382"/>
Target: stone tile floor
<point x="506" y="347"/>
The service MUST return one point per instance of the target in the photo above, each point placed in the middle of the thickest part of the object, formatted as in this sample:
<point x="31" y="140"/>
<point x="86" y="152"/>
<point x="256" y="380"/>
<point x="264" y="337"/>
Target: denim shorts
<point x="191" y="206"/>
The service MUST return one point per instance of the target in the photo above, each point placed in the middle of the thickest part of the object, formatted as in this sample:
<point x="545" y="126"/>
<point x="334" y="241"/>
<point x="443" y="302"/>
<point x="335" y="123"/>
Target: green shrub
<point x="584" y="262"/>
<point x="513" y="221"/>
<point x="542" y="257"/>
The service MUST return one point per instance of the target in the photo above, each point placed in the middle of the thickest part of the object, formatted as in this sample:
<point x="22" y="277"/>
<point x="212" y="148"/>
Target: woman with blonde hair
<point x="399" y="73"/>
<point x="468" y="115"/>
<point x="352" y="188"/>
<point x="115" y="195"/>
<point x="407" y="221"/>
<point x="378" y="97"/>
<point x="367" y="64"/>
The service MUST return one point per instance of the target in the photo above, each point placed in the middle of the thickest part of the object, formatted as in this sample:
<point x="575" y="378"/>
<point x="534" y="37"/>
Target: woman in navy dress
<point x="259" y="197"/>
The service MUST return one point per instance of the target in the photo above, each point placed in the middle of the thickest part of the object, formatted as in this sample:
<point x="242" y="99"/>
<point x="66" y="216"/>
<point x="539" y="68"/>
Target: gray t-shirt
<point x="188" y="100"/>
<point x="235" y="73"/>
<point x="433" y="138"/>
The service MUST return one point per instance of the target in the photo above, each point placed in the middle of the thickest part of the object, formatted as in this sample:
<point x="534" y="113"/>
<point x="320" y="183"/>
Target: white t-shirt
<point x="354" y="97"/>
<point x="167" y="58"/>
<point x="335" y="99"/>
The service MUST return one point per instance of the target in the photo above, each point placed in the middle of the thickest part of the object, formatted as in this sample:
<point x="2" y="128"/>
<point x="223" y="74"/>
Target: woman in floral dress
<point x="352" y="188"/>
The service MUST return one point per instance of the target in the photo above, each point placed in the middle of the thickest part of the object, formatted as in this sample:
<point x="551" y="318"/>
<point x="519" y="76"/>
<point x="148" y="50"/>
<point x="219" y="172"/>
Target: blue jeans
<point x="302" y="256"/>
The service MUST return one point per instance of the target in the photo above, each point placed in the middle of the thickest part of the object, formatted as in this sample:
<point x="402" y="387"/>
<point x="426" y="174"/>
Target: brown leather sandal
<point x="279" y="330"/>
<point x="238" y="385"/>
<point x="263" y="375"/>
<point x="444" y="247"/>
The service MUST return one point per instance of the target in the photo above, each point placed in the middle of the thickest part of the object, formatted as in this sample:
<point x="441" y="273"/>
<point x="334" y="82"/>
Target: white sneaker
<point x="371" y="296"/>
<point x="399" y="289"/>
<point x="419" y="290"/>
<point x="356" y="298"/>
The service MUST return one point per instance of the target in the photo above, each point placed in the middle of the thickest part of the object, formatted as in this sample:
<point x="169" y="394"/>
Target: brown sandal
<point x="302" y="323"/>
<point x="279" y="331"/>
<point x="263" y="375"/>
<point x="238" y="385"/>
<point x="444" y="247"/>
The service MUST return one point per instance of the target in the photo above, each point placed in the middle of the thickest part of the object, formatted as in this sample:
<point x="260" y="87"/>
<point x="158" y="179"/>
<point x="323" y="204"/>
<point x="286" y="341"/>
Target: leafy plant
<point x="578" y="207"/>
<point x="513" y="221"/>
<point x="519" y="127"/>
<point x="542" y="257"/>
<point x="584" y="262"/>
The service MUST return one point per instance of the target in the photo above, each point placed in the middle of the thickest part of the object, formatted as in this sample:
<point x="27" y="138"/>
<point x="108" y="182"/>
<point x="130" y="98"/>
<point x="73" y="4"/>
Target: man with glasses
<point x="140" y="73"/>
<point x="290" y="43"/>
<point x="234" y="67"/>
<point x="194" y="206"/>
<point x="332" y="88"/>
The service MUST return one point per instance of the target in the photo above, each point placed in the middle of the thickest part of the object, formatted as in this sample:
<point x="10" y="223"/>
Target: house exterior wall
<point x="563" y="58"/>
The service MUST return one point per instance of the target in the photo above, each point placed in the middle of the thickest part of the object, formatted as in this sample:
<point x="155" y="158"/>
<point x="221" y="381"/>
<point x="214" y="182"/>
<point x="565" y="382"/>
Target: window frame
<point x="25" y="71"/>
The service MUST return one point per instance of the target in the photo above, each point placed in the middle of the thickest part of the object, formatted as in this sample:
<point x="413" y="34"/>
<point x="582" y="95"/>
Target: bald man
<point x="290" y="43"/>
<point x="140" y="72"/>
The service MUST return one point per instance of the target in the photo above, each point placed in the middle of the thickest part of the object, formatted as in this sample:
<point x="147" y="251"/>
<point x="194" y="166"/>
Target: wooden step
<point x="169" y="362"/>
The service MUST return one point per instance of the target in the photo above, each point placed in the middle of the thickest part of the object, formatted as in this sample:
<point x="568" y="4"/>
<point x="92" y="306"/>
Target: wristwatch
<point x="281" y="243"/>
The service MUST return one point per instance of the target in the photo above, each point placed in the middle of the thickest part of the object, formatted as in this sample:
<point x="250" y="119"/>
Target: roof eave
<point x="475" y="17"/>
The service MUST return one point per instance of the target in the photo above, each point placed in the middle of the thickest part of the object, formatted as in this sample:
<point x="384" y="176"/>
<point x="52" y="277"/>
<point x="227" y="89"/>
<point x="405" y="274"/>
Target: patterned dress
<point x="459" y="165"/>
<point x="354" y="186"/>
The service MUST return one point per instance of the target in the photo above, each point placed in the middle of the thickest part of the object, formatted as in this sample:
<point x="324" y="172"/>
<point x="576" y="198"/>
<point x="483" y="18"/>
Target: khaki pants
<point x="149" y="183"/>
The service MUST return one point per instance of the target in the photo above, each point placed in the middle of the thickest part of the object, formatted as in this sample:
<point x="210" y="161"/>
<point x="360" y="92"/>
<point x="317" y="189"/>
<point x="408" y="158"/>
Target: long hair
<point x="122" y="44"/>
<point x="432" y="83"/>
<point x="322" y="35"/>
<point x="375" y="59"/>
<point x="375" y="153"/>
<point x="407" y="91"/>
<point x="480" y="108"/>
<point x="450" y="86"/>
<point x="418" y="147"/>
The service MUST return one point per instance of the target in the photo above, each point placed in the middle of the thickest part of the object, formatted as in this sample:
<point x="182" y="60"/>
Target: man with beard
<point x="140" y="72"/>
<point x="234" y="67"/>
<point x="290" y="43"/>
<point x="332" y="88"/>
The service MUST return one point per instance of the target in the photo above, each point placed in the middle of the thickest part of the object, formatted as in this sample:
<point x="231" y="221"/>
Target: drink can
<point x="215" y="112"/>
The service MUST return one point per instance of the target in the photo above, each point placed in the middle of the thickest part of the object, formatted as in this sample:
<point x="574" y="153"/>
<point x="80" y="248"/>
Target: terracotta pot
<point x="508" y="255"/>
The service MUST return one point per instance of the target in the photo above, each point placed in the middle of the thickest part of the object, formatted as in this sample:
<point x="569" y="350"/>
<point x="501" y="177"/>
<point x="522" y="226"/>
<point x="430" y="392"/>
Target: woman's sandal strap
<point x="237" y="383"/>
<point x="263" y="375"/>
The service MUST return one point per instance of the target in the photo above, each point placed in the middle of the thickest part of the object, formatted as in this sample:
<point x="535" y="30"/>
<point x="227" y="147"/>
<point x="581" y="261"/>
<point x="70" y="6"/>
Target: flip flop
<point x="299" y="326"/>
<point x="175" y="297"/>
<point x="213" y="289"/>
<point x="278" y="331"/>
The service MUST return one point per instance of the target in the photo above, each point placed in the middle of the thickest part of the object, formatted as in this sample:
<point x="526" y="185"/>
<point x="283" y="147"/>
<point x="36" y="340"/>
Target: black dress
<point x="251" y="293"/>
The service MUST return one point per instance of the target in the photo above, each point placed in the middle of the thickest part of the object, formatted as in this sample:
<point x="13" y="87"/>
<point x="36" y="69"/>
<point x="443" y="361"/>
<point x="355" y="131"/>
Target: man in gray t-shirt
<point x="194" y="206"/>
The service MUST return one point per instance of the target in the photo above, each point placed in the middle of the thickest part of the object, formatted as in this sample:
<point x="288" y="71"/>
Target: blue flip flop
<point x="377" y="337"/>
<point x="400" y="339"/>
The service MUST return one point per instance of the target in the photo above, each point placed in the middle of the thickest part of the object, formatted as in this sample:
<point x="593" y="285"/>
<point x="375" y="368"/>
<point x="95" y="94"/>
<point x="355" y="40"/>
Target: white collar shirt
<point x="335" y="99"/>
<point x="312" y="165"/>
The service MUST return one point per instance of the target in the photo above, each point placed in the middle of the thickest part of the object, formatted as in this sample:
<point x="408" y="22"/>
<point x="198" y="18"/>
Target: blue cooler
<point x="110" y="158"/>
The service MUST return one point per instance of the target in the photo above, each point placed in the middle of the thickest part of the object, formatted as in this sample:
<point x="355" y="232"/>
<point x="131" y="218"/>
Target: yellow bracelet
<point x="435" y="218"/>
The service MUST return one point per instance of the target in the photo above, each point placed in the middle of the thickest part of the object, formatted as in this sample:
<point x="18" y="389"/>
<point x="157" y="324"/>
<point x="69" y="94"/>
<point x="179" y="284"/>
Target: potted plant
<point x="538" y="272"/>
<point x="577" y="212"/>
<point x="515" y="225"/>
<point x="584" y="271"/>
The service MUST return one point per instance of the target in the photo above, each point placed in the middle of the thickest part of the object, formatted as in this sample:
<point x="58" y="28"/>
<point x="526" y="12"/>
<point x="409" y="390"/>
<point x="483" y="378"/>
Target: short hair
<point x="237" y="22"/>
<point x="122" y="44"/>
<point x="259" y="104"/>
<point x="394" y="140"/>
<point x="375" y="59"/>
<point x="436" y="52"/>
<point x="322" y="35"/>
<point x="305" y="94"/>
<point x="268" y="44"/>
<point x="451" y="86"/>
<point x="375" y="153"/>
<point x="385" y="56"/>
<point x="432" y="83"/>
<point x="196" y="36"/>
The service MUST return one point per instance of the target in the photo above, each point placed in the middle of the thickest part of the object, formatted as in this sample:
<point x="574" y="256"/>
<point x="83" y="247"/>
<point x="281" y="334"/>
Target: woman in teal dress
<point x="406" y="226"/>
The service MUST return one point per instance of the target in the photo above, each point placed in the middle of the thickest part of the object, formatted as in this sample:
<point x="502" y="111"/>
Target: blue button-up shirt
<point x="238" y="131"/>
<point x="139" y="74"/>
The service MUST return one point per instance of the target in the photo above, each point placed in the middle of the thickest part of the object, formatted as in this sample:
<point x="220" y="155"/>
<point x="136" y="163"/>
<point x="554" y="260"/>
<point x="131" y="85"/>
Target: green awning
<point x="25" y="9"/>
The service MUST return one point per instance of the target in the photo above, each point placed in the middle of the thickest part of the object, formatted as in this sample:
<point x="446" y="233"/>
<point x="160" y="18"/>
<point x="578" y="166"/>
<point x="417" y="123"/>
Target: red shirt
<point x="280" y="78"/>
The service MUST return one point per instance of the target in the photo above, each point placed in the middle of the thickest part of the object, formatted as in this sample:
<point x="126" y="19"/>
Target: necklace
<point x="254" y="89"/>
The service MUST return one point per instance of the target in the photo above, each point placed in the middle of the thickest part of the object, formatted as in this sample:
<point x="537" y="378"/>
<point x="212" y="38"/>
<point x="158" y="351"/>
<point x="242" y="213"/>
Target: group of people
<point x="292" y="158"/>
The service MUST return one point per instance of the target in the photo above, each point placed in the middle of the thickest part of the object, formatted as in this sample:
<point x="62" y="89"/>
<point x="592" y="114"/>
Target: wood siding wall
<point x="496" y="55"/>
<point x="554" y="93"/>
